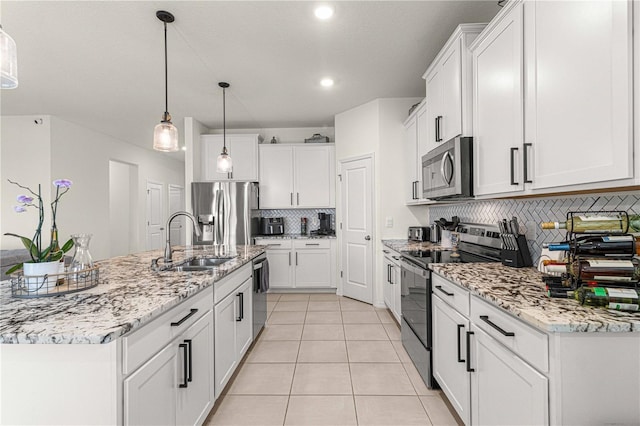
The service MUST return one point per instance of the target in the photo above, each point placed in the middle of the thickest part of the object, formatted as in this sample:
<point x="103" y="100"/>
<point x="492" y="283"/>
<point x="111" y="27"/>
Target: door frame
<point x="339" y="233"/>
<point x="182" y="207"/>
<point x="163" y="210"/>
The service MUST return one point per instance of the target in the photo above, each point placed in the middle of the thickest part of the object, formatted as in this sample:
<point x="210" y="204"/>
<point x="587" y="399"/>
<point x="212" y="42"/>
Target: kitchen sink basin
<point x="200" y="264"/>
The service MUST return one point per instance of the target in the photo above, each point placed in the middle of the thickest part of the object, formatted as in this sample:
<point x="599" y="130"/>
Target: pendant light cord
<point x="224" y="119"/>
<point x="166" y="74"/>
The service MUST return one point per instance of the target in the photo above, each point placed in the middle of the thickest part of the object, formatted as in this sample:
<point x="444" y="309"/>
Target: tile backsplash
<point x="532" y="212"/>
<point x="292" y="218"/>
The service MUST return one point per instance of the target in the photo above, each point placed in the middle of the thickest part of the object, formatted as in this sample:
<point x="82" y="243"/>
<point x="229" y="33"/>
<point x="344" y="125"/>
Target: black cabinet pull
<point x="186" y="317"/>
<point x="242" y="305"/>
<point x="526" y="162"/>
<point x="239" y="317"/>
<point x="460" y="327"/>
<point x="485" y="318"/>
<point x="513" y="171"/>
<point x="439" y="287"/>
<point x="189" y="342"/>
<point x="389" y="273"/>
<point x="184" y="384"/>
<point x="469" y="369"/>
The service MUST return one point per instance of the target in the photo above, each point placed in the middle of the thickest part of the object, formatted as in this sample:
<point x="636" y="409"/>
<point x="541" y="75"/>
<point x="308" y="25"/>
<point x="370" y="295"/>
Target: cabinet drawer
<point x="314" y="243"/>
<point x="230" y="283"/>
<point x="451" y="293"/>
<point x="148" y="340"/>
<point x="525" y="341"/>
<point x="274" y="243"/>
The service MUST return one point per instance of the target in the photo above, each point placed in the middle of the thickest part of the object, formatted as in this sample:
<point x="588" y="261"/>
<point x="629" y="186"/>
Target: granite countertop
<point x="521" y="292"/>
<point x="128" y="296"/>
<point x="293" y="237"/>
<point x="406" y="245"/>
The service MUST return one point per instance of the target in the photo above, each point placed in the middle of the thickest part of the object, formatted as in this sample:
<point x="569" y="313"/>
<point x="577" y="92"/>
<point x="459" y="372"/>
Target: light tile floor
<point x="328" y="360"/>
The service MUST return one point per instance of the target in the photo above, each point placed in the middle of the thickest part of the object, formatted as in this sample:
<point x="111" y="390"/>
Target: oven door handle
<point x="414" y="269"/>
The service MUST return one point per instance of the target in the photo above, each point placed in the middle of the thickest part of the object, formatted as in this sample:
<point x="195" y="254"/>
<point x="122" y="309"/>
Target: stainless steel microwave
<point x="447" y="171"/>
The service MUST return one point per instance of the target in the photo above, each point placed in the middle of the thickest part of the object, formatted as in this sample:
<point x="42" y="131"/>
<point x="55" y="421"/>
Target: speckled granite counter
<point x="129" y="295"/>
<point x="405" y="245"/>
<point x="521" y="292"/>
<point x="293" y="237"/>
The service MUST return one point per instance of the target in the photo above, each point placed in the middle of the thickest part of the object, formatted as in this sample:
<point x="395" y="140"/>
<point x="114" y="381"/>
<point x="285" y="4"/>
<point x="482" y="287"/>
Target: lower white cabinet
<point x="233" y="326"/>
<point x="301" y="263"/>
<point x="391" y="287"/>
<point x="504" y="388"/>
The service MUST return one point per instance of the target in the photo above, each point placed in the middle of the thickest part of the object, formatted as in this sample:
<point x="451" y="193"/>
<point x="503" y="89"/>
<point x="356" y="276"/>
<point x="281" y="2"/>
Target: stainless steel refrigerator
<point x="227" y="213"/>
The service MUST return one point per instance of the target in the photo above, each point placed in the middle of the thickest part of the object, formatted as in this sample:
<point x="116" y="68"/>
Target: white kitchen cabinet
<point x="449" y="358"/>
<point x="416" y="144"/>
<point x="233" y="325"/>
<point x="151" y="392"/>
<point x="504" y="388"/>
<point x="498" y="121"/>
<point x="243" y="150"/>
<point x="553" y="98"/>
<point x="391" y="286"/>
<point x="297" y="176"/>
<point x="448" y="87"/>
<point x="301" y="263"/>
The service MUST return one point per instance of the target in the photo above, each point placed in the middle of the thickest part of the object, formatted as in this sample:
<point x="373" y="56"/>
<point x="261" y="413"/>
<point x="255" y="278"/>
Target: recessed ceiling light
<point x="326" y="82"/>
<point x="324" y="12"/>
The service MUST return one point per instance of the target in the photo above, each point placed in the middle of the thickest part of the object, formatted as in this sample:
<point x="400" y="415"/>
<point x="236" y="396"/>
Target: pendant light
<point x="225" y="164"/>
<point x="8" y="61"/>
<point x="165" y="134"/>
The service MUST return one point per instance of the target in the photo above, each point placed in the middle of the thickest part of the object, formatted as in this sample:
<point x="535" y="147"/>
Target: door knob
<point x="368" y="237"/>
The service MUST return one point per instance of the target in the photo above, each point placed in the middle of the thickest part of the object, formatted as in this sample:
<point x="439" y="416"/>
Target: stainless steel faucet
<point x="167" y="247"/>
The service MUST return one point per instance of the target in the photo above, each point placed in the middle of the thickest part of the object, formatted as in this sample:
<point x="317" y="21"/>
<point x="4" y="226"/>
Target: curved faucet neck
<point x="167" y="248"/>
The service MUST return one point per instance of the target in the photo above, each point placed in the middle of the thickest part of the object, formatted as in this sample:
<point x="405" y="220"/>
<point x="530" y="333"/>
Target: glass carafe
<point x="82" y="260"/>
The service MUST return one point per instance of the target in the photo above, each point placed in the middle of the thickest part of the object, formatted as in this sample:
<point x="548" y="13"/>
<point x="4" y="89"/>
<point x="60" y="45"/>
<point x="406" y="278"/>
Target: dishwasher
<point x="260" y="272"/>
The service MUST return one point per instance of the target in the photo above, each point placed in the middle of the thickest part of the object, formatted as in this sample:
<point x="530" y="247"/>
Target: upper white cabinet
<point x="553" y="98"/>
<point x="415" y="131"/>
<point x="297" y="176"/>
<point x="448" y="84"/>
<point x="498" y="127"/>
<point x="243" y="150"/>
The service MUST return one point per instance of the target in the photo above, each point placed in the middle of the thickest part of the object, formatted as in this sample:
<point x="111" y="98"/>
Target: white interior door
<point x="155" y="216"/>
<point x="123" y="216"/>
<point x="178" y="225"/>
<point x="357" y="228"/>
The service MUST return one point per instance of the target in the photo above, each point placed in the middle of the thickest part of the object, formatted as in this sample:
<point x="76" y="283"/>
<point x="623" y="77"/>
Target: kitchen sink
<point x="200" y="264"/>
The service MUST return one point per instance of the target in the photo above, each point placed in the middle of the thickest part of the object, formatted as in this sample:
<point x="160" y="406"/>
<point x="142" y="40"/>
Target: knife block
<point x="519" y="258"/>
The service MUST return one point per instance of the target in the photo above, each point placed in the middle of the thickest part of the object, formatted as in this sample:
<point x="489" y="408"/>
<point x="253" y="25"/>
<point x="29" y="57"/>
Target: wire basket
<point x="32" y="286"/>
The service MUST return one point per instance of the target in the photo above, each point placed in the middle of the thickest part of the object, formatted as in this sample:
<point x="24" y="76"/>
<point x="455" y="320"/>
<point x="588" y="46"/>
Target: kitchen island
<point x="79" y="358"/>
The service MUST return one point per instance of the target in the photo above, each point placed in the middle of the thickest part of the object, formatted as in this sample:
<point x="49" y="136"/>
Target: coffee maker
<point x="325" y="225"/>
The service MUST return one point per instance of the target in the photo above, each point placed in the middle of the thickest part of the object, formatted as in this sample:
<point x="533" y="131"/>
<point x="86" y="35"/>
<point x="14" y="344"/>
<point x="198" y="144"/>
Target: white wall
<point x="82" y="155"/>
<point x="25" y="150"/>
<point x="376" y="127"/>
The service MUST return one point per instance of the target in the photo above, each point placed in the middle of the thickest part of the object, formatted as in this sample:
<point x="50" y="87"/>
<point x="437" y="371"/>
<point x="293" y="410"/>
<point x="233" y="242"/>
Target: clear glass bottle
<point x="597" y="224"/>
<point x="303" y="226"/>
<point x="82" y="259"/>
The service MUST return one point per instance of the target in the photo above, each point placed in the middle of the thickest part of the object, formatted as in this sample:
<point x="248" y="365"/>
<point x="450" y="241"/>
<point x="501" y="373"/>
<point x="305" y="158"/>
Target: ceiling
<point x="99" y="64"/>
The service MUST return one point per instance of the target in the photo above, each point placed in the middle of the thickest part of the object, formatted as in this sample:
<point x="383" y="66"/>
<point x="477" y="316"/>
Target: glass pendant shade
<point x="225" y="164"/>
<point x="8" y="61"/>
<point x="165" y="137"/>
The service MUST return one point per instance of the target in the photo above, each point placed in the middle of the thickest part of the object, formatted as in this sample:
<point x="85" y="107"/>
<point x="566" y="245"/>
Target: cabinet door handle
<point x="297" y="198"/>
<point x="296" y="258"/>
<point x="389" y="273"/>
<point x="513" y="167"/>
<point x="289" y="258"/>
<point x="291" y="198"/>
<point x="386" y="251"/>
<point x="242" y="305"/>
<point x="439" y="287"/>
<point x="183" y="319"/>
<point x="469" y="369"/>
<point x="185" y="383"/>
<point x="189" y="342"/>
<point x="239" y="317"/>
<point x="391" y="281"/>
<point x="311" y="244"/>
<point x="486" y="319"/>
<point x="460" y="327"/>
<point x="526" y="162"/>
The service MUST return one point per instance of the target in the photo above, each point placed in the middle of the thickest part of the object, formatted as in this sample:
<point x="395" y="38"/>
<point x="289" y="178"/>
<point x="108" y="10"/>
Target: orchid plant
<point x="52" y="252"/>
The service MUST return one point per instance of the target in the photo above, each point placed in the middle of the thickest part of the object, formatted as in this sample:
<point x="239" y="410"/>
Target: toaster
<point x="271" y="225"/>
<point x="418" y="233"/>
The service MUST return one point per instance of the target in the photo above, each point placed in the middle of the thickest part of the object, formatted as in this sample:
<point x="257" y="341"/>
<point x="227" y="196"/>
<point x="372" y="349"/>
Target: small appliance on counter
<point x="271" y="225"/>
<point x="418" y="233"/>
<point x="325" y="225"/>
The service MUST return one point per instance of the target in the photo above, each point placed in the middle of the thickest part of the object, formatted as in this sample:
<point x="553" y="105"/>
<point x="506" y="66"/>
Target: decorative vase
<point x="40" y="277"/>
<point x="82" y="260"/>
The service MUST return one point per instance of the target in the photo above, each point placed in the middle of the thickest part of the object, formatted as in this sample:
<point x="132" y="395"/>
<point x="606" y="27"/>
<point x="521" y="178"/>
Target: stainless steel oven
<point x="447" y="171"/>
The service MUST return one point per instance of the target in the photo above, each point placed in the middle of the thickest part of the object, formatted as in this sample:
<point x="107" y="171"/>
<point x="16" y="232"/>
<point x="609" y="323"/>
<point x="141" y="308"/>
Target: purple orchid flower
<point x="62" y="183"/>
<point x="24" y="199"/>
<point x="19" y="209"/>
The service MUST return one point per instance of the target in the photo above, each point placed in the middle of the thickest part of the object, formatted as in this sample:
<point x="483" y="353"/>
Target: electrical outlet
<point x="388" y="222"/>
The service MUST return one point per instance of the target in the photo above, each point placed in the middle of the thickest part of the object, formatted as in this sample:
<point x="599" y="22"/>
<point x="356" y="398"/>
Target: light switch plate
<point x="388" y="222"/>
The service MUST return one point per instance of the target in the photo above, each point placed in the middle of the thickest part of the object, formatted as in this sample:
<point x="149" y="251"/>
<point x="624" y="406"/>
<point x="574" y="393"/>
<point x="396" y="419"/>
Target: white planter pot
<point x="40" y="277"/>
